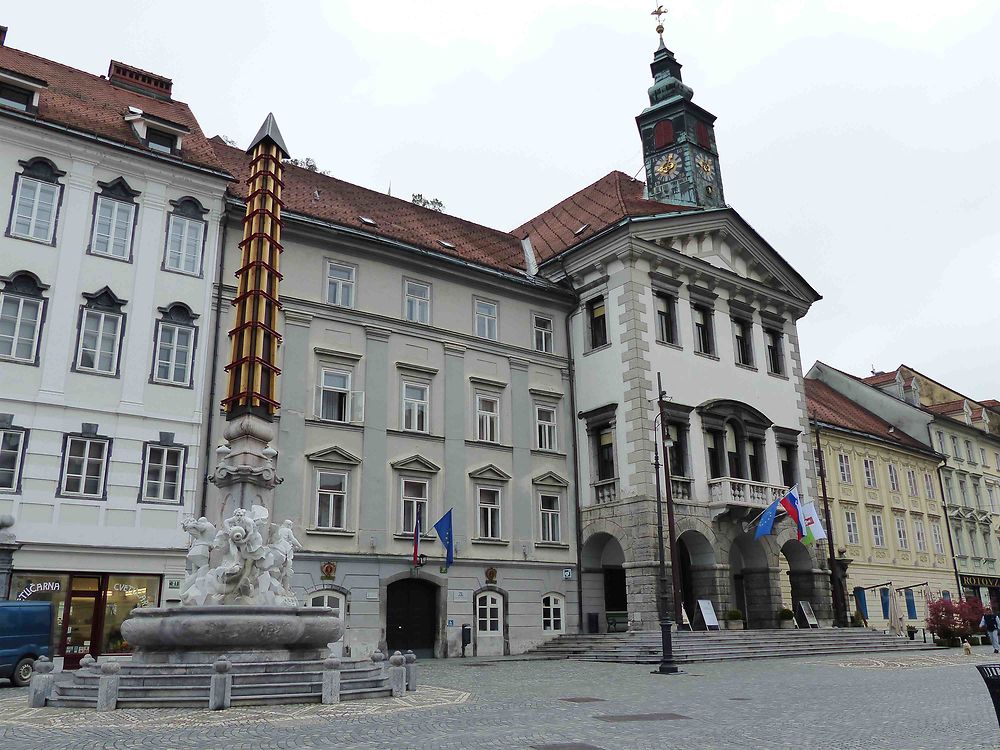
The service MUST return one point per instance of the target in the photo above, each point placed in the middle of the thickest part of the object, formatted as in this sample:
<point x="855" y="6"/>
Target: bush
<point x="786" y="614"/>
<point x="949" y="619"/>
<point x="734" y="614"/>
<point x="857" y="620"/>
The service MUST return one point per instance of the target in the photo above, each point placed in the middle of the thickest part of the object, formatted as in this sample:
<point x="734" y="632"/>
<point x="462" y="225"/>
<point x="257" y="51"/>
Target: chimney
<point x="136" y="79"/>
<point x="3" y="35"/>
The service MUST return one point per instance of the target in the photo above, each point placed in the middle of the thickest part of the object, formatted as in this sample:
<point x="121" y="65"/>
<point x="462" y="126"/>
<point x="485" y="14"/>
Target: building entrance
<point x="411" y="617"/>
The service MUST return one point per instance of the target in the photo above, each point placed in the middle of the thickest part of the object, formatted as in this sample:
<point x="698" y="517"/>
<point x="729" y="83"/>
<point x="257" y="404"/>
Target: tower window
<point x="701" y="133"/>
<point x="663" y="134"/>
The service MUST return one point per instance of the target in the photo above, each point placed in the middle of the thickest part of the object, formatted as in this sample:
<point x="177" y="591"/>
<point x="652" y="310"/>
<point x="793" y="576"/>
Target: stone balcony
<point x="605" y="491"/>
<point x="726" y="492"/>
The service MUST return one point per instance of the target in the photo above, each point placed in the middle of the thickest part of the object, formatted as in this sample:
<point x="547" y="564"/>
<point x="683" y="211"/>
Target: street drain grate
<point x="641" y="717"/>
<point x="583" y="700"/>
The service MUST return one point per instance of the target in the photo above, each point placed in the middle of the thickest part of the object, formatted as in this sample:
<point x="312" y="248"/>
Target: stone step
<point x="277" y="688"/>
<point x="261" y="699"/>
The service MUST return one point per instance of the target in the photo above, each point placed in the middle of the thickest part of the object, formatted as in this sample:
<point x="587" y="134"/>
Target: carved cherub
<point x="286" y="544"/>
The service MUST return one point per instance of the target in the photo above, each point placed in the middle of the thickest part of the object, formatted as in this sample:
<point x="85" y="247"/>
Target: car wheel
<point x="22" y="672"/>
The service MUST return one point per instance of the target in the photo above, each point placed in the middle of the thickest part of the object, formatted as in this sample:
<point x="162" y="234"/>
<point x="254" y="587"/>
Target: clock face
<point x="668" y="167"/>
<point x="705" y="167"/>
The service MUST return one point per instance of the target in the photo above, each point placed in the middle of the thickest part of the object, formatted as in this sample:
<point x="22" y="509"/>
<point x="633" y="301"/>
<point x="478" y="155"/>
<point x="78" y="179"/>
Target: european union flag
<point x="766" y="522"/>
<point x="445" y="533"/>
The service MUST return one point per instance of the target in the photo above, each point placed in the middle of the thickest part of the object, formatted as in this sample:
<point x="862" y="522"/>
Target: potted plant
<point x="734" y="620"/>
<point x="786" y="618"/>
<point x="857" y="620"/>
<point x="911" y="632"/>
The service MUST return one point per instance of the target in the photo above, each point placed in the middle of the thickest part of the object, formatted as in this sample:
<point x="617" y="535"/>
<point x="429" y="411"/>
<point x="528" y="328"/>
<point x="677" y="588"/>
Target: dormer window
<point x="16" y="98"/>
<point x="157" y="140"/>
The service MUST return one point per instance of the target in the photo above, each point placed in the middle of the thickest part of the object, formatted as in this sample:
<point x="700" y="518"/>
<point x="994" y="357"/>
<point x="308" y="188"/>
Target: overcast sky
<point x="859" y="137"/>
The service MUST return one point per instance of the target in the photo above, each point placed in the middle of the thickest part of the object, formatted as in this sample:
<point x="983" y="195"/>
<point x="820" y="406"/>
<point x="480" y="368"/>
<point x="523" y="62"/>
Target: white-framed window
<point x="100" y="336"/>
<point x="704" y="334"/>
<point x="486" y="319"/>
<point x="20" y="324"/>
<point x="174" y="346"/>
<point x="942" y="446"/>
<point x="112" y="228"/>
<point x="339" y="284"/>
<point x="666" y="318"/>
<point x="488" y="501"/>
<point x="489" y="609"/>
<point x="878" y="530"/>
<point x="548" y="504"/>
<point x="969" y="452"/>
<point x="901" y="537"/>
<point x="936" y="537"/>
<point x="911" y="483"/>
<point x="949" y="494"/>
<point x="552" y="613"/>
<point x="415" y="407"/>
<point x="417" y="301"/>
<point x="743" y="341"/>
<point x="987" y="545"/>
<point x="870" y="475"/>
<point x="956" y="451"/>
<point x="185" y="238"/>
<point x="35" y="209"/>
<point x="775" y="351"/>
<point x="982" y="457"/>
<point x="597" y="322"/>
<point x="335" y="401"/>
<point x="978" y="494"/>
<point x="542" y="330"/>
<point x="84" y="467"/>
<point x="851" y="523"/>
<point x="929" y="485"/>
<point x="11" y="453"/>
<point x="963" y="489"/>
<point x="414" y="495"/>
<point x="844" y="462"/>
<point x="893" y="478"/>
<point x="919" y="535"/>
<point x="163" y="482"/>
<point x="545" y="427"/>
<point x="332" y="599"/>
<point x="161" y="142"/>
<point x="973" y="542"/>
<point x="487" y="418"/>
<point x="991" y="494"/>
<point x="959" y="544"/>
<point x="331" y="499"/>
<point x="996" y="458"/>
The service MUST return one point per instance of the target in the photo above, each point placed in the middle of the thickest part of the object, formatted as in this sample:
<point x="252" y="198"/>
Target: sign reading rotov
<point x="980" y="580"/>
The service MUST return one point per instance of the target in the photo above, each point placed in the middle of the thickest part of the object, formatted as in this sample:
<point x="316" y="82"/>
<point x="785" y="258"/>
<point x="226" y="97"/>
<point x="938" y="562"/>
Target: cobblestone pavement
<point x="906" y="702"/>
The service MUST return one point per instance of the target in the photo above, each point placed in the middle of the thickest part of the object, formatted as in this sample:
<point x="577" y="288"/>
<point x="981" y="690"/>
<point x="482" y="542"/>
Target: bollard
<point x="42" y="681"/>
<point x="331" y="680"/>
<point x="89" y="664"/>
<point x="378" y="659"/>
<point x="107" y="686"/>
<point x="411" y="671"/>
<point x="220" y="690"/>
<point x="991" y="676"/>
<point x="397" y="674"/>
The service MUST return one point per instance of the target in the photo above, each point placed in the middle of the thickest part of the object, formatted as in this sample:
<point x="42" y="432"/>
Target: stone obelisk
<point x="246" y="473"/>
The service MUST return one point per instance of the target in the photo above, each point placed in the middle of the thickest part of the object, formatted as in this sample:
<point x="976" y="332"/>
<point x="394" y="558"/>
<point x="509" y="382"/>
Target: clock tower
<point x="678" y="139"/>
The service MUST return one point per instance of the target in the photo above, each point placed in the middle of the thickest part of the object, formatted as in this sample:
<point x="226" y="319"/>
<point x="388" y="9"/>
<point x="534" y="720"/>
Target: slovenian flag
<point x="416" y="541"/>
<point x="788" y="503"/>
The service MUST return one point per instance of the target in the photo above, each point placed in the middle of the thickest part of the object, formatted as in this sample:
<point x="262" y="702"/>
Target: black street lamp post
<point x="667" y="663"/>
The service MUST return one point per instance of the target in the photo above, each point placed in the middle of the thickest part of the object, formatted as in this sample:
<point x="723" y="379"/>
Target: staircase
<point x="160" y="685"/>
<point x="643" y="647"/>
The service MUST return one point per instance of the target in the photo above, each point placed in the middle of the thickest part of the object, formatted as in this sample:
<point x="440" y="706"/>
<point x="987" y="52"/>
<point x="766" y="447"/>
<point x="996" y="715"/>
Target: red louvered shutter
<point x="663" y="134"/>
<point x="703" y="140"/>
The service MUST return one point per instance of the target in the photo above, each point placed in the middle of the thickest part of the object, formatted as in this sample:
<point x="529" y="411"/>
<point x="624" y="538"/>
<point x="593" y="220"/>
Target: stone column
<point x="712" y="582"/>
<point x="762" y="596"/>
<point x="397" y="674"/>
<point x="8" y="546"/>
<point x="246" y="474"/>
<point x="411" y="671"/>
<point x="220" y="690"/>
<point x="331" y="680"/>
<point x="640" y="591"/>
<point x="107" y="686"/>
<point x="42" y="682"/>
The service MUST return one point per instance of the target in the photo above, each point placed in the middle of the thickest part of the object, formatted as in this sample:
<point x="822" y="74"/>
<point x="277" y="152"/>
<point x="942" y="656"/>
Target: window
<point x="845" y="468"/>
<point x="918" y="534"/>
<point x="677" y="449"/>
<point x="955" y="449"/>
<point x="331" y="500"/>
<point x="851" y="522"/>
<point x="100" y="337"/>
<point x="112" y="228"/>
<point x="332" y="599"/>
<point x="164" y="474"/>
<point x="963" y="489"/>
<point x="486" y="319"/>
<point x="334" y="401"/>
<point x="973" y="542"/>
<point x="942" y="446"/>
<point x="549" y="505"/>
<point x="185" y="239"/>
<point x="978" y="495"/>
<point x="878" y="530"/>
<point x="929" y="485"/>
<point x="543" y="333"/>
<point x="959" y="545"/>
<point x="937" y="538"/>
<point x="35" y="209"/>
<point x="339" y="284"/>
<point x="996" y="457"/>
<point x="417" y="302"/>
<point x="552" y="613"/>
<point x="948" y="492"/>
<point x="606" y="454"/>
<point x="488" y="419"/>
<point x="743" y="341"/>
<point x="598" y="324"/>
<point x="414" y="505"/>
<point x="545" y="425"/>
<point x="415" y="407"/>
<point x="911" y="483"/>
<point x="987" y="545"/>
<point x="893" y="478"/>
<point x="789" y="464"/>
<point x="20" y="324"/>
<point x="666" y="318"/>
<point x="12" y="445"/>
<point x="488" y="613"/>
<point x="704" y="340"/>
<point x="157" y="140"/>
<point x="991" y="494"/>
<point x="775" y="351"/>
<point x="870" y="476"/>
<point x="84" y="466"/>
<point x="901" y="537"/>
<point x="982" y="457"/>
<point x="174" y="346"/>
<point x="489" y="512"/>
<point x="16" y="98"/>
<point x="970" y="454"/>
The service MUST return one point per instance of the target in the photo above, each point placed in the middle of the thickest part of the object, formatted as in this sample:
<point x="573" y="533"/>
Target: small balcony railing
<point x="733" y="491"/>
<point x="680" y="488"/>
<point x="605" y="491"/>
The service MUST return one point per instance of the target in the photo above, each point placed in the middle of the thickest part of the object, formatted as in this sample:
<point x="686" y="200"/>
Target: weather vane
<point x="659" y="13"/>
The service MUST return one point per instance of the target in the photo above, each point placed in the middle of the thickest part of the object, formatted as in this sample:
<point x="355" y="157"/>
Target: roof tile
<point x="827" y="405"/>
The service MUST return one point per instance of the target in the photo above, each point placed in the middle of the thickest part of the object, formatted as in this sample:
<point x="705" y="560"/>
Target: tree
<point x="948" y="619"/>
<point x="307" y="163"/>
<point x="432" y="203"/>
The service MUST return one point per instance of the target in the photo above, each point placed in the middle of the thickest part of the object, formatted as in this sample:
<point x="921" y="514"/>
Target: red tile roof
<point x="326" y="198"/>
<point x="90" y="103"/>
<point x="947" y="407"/>
<point x="991" y="402"/>
<point x="595" y="208"/>
<point x="880" y="378"/>
<point x="827" y="405"/>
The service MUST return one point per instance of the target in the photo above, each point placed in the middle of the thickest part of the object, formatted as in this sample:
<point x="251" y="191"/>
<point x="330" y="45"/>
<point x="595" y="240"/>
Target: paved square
<point x="870" y="702"/>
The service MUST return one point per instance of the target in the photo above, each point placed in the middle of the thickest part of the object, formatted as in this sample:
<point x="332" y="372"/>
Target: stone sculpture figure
<point x="203" y="534"/>
<point x="286" y="544"/>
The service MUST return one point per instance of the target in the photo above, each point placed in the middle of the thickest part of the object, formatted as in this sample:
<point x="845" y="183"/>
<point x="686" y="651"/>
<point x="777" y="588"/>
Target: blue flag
<point x="766" y="522"/>
<point x="444" y="531"/>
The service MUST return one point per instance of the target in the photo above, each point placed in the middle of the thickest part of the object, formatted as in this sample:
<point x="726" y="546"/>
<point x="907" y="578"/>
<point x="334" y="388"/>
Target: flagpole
<point x="836" y="581"/>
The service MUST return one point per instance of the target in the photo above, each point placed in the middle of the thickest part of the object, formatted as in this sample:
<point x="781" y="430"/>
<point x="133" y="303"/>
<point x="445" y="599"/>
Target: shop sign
<point x="130" y="590"/>
<point x="986" y="581"/>
<point x="35" y="588"/>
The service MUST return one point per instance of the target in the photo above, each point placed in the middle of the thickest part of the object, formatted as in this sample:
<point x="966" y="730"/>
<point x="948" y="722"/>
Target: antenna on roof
<point x="389" y="191"/>
<point x="873" y="370"/>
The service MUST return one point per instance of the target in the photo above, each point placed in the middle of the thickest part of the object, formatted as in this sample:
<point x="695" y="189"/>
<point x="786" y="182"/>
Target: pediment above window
<point x="42" y="169"/>
<point x="24" y="283"/>
<point x="550" y="479"/>
<point x="416" y="463"/>
<point x="178" y="312"/>
<point x="118" y="189"/>
<point x="491" y="472"/>
<point x="189" y="207"/>
<point x="104" y="299"/>
<point x="333" y="455"/>
<point x="714" y="413"/>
